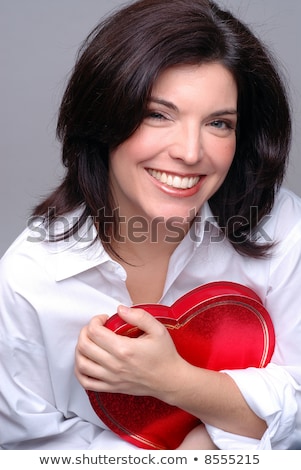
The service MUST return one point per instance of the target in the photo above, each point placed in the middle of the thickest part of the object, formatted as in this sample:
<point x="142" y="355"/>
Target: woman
<point x="175" y="131"/>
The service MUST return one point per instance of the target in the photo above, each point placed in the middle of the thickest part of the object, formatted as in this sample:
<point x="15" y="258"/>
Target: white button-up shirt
<point x="50" y="290"/>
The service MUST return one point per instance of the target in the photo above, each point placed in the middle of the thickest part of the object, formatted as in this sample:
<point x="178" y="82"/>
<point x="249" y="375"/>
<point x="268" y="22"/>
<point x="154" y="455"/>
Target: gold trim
<point x="196" y="312"/>
<point x="179" y="325"/>
<point x="126" y="431"/>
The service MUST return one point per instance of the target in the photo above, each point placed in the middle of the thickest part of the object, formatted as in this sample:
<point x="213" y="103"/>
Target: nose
<point x="187" y="145"/>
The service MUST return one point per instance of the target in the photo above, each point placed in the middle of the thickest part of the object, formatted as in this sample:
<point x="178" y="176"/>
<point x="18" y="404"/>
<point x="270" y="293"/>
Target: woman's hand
<point x="107" y="362"/>
<point x="150" y="365"/>
<point x="198" y="439"/>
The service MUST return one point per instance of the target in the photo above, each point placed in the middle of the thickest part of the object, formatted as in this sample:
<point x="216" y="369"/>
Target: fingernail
<point x="123" y="309"/>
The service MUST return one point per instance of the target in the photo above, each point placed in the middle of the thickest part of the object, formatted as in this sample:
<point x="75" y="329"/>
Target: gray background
<point x="38" y="44"/>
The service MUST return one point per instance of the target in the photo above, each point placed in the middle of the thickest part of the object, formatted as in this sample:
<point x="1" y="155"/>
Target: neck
<point x="144" y="251"/>
<point x="142" y="242"/>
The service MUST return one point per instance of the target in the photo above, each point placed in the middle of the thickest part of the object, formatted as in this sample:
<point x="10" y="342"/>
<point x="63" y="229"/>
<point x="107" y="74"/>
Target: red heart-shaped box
<point x="220" y="325"/>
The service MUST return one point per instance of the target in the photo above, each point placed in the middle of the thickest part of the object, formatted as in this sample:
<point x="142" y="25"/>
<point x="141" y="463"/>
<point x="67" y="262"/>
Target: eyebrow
<point x="224" y="112"/>
<point x="168" y="104"/>
<point x="173" y="107"/>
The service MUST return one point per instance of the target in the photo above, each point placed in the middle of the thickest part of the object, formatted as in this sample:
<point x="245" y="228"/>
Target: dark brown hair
<point x="107" y="94"/>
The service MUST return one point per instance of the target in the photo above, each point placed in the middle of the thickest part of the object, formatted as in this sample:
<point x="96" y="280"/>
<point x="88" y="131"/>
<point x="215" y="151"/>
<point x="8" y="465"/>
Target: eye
<point x="155" y="115"/>
<point x="156" y="118"/>
<point x="222" y="127"/>
<point x="219" y="124"/>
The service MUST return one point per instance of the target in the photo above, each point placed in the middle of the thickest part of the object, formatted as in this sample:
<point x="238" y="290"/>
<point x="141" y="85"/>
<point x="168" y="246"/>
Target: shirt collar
<point x="83" y="251"/>
<point x="204" y="222"/>
<point x="78" y="253"/>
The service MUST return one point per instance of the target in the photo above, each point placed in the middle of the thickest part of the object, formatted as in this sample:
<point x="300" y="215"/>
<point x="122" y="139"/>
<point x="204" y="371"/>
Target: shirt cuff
<point x="271" y="394"/>
<point x="227" y="441"/>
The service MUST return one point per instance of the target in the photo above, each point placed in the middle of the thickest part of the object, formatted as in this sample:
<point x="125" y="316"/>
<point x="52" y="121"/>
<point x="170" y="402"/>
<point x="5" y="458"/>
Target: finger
<point x="99" y="377"/>
<point x="87" y="369"/>
<point x="97" y="335"/>
<point x="91" y="383"/>
<point x="141" y="319"/>
<point x="95" y="385"/>
<point x="98" y="345"/>
<point x="97" y="322"/>
<point x="91" y="345"/>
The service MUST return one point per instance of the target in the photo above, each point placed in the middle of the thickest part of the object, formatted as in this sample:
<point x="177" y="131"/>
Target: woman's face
<point x="181" y="152"/>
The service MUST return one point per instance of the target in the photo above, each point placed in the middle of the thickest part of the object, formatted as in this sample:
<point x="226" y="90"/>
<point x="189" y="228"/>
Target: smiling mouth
<point x="174" y="181"/>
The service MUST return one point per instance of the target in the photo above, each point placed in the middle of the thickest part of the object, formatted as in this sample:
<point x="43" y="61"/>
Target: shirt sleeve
<point x="30" y="418"/>
<point x="274" y="395"/>
<point x="274" y="392"/>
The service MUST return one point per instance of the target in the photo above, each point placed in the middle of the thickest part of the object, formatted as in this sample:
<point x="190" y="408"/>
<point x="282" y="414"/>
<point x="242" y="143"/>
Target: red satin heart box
<point x="220" y="325"/>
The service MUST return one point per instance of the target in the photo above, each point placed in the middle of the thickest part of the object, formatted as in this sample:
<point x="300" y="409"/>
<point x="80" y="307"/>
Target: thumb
<point x="141" y="319"/>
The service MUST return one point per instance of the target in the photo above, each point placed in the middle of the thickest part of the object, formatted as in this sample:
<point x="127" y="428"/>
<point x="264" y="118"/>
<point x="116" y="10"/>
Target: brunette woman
<point x="175" y="131"/>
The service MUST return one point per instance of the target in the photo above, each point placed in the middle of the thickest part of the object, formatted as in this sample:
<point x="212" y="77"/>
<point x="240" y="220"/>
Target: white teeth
<point x="185" y="182"/>
<point x="177" y="181"/>
<point x="164" y="178"/>
<point x="169" y="180"/>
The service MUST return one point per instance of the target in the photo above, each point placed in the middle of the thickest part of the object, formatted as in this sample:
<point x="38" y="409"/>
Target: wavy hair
<point x="107" y="94"/>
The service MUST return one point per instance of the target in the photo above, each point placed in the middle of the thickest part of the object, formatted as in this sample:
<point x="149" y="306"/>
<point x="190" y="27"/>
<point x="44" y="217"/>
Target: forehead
<point x="190" y="71"/>
<point x="210" y="82"/>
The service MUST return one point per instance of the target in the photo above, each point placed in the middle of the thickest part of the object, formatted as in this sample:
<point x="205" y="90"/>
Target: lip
<point x="173" y="191"/>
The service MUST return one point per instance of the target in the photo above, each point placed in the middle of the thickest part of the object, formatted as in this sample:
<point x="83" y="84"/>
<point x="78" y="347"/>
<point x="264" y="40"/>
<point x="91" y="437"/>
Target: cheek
<point x="225" y="152"/>
<point x="122" y="158"/>
<point x="131" y="151"/>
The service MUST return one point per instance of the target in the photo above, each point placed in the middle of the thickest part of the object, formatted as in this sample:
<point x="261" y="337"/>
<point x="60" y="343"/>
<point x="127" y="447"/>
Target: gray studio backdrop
<point x="38" y="43"/>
